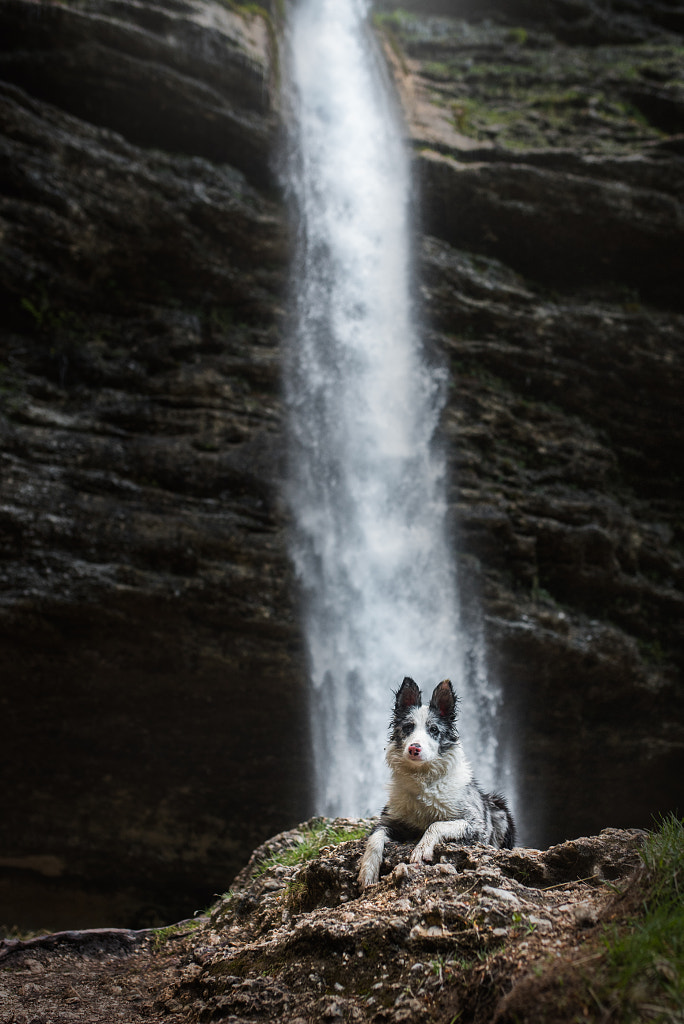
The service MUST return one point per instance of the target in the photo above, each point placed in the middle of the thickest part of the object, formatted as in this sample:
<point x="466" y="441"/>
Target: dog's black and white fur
<point x="432" y="794"/>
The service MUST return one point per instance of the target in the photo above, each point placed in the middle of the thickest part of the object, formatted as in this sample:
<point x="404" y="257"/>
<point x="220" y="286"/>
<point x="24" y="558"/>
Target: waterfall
<point x="366" y="481"/>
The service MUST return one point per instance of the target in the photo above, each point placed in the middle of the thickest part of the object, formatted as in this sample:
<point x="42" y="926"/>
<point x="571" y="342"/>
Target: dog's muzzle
<point x="414" y="751"/>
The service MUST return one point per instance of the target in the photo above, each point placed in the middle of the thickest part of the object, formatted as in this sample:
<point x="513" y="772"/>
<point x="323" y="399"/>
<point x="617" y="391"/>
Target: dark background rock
<point x="152" y="684"/>
<point x="152" y="673"/>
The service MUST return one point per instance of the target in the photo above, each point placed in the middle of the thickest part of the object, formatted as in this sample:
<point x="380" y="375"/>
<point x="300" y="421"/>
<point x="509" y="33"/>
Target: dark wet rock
<point x="590" y="22"/>
<point x="152" y="674"/>
<point x="563" y="229"/>
<point x="190" y="78"/>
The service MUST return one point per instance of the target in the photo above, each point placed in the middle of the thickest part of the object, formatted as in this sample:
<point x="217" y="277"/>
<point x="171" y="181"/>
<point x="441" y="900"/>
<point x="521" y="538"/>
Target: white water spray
<point x="366" y="484"/>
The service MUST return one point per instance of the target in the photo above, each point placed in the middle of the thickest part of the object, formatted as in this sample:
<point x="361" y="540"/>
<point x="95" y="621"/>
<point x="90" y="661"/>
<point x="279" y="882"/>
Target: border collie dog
<point x="432" y="794"/>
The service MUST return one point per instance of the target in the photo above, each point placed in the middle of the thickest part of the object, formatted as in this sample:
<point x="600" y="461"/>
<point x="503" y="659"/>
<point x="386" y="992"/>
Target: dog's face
<point x="421" y="733"/>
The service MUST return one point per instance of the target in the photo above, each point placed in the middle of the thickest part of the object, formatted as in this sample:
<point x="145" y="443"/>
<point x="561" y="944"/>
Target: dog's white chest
<point x="420" y="801"/>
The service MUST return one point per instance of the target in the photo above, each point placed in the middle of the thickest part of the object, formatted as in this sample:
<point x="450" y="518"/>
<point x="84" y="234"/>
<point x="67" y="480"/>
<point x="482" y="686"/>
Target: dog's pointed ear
<point x="408" y="696"/>
<point x="443" y="700"/>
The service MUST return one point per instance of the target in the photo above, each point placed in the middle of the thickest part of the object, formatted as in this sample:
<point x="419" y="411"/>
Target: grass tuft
<point x="320" y="834"/>
<point x="646" y="961"/>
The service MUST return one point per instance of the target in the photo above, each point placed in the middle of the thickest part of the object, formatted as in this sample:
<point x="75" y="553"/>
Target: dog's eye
<point x="407" y="728"/>
<point x="434" y="731"/>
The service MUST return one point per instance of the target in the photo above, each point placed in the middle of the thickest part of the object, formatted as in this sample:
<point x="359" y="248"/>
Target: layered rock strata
<point x="152" y="679"/>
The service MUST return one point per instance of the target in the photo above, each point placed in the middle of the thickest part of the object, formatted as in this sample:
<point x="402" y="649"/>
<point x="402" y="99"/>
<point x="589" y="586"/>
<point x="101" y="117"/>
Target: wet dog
<point x="433" y="796"/>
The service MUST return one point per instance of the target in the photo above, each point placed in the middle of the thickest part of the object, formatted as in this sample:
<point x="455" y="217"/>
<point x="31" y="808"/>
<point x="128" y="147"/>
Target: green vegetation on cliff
<point x="521" y="88"/>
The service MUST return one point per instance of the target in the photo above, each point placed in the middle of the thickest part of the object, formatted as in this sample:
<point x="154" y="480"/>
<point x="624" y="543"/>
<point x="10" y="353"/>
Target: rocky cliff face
<point x="152" y="669"/>
<point x="151" y="666"/>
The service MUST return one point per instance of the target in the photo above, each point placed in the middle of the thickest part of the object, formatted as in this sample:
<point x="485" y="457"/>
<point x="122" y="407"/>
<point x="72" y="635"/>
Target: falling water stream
<point x="366" y="481"/>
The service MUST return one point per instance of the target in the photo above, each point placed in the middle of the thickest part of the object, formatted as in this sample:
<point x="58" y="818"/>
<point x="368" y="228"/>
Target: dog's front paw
<point x="368" y="875"/>
<point x="369" y="869"/>
<point x="423" y="852"/>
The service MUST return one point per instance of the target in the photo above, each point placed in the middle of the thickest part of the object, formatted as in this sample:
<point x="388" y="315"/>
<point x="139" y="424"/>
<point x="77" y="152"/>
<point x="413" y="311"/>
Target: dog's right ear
<point x="408" y="696"/>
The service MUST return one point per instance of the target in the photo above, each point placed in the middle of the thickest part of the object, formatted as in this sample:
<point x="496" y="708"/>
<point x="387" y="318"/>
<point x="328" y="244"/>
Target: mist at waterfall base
<point x="366" y="481"/>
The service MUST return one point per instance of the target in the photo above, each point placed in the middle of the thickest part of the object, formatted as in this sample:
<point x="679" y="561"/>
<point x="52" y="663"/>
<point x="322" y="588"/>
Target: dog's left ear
<point x="443" y="700"/>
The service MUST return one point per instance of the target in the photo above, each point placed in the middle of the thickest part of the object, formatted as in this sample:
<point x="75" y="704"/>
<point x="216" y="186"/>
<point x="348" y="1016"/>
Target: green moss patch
<point x="320" y="834"/>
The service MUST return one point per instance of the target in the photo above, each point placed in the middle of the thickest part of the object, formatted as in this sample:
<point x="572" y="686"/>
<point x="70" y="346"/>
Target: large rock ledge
<point x="192" y="79"/>
<point x="480" y="935"/>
